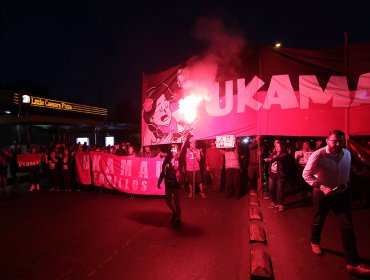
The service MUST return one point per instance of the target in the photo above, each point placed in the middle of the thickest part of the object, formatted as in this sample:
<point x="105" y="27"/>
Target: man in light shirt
<point x="327" y="172"/>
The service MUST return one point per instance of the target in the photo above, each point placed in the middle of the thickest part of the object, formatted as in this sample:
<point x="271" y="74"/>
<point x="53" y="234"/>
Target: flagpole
<point x="346" y="73"/>
<point x="141" y="119"/>
<point x="259" y="178"/>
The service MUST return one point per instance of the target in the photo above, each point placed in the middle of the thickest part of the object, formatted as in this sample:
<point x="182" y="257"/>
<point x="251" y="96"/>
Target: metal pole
<point x="259" y="178"/>
<point x="19" y="116"/>
<point x="346" y="73"/>
<point x="194" y="177"/>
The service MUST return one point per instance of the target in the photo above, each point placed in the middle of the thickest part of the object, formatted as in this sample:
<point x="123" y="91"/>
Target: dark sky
<point x="94" y="52"/>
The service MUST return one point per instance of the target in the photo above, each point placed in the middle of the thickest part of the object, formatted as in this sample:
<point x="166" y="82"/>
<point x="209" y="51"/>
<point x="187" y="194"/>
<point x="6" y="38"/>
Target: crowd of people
<point x="265" y="164"/>
<point x="321" y="170"/>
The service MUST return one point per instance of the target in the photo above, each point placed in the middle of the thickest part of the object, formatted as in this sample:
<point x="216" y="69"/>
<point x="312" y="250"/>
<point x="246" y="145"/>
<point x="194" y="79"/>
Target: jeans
<point x="276" y="188"/>
<point x="341" y="206"/>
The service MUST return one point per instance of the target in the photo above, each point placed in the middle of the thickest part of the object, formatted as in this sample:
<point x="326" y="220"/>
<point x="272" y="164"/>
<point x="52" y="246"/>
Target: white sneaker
<point x="32" y="188"/>
<point x="315" y="248"/>
<point x="37" y="187"/>
<point x="358" y="269"/>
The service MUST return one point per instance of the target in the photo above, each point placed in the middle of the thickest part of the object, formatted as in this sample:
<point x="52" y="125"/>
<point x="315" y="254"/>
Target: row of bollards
<point x="260" y="261"/>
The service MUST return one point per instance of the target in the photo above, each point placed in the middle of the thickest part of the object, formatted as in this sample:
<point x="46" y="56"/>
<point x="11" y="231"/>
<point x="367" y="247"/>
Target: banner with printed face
<point x="277" y="91"/>
<point x="136" y="175"/>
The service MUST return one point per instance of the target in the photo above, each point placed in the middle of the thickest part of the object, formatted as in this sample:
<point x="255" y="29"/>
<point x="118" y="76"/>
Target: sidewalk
<point x="288" y="238"/>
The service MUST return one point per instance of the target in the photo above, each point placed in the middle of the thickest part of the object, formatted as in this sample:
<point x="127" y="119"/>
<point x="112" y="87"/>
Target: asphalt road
<point x="91" y="235"/>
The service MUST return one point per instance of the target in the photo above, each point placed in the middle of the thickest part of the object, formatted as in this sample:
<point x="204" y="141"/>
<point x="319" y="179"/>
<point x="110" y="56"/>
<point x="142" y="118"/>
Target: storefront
<point x="30" y="119"/>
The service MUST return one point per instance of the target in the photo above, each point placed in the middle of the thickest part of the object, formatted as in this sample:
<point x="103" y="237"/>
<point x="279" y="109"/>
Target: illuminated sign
<point x="26" y="99"/>
<point x="60" y="105"/>
<point x="43" y="102"/>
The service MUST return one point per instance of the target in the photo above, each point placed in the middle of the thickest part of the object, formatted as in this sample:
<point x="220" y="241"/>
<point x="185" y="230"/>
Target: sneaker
<point x="190" y="195"/>
<point x="202" y="195"/>
<point x="37" y="187"/>
<point x="273" y="205"/>
<point x="358" y="269"/>
<point x="316" y="249"/>
<point x="265" y="196"/>
<point x="51" y="189"/>
<point x="32" y="188"/>
<point x="280" y="208"/>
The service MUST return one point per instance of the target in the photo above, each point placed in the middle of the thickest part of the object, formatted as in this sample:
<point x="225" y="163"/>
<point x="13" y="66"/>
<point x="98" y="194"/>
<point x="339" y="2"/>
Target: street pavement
<point x="90" y="234"/>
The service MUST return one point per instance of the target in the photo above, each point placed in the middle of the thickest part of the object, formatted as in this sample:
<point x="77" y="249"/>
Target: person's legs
<point x="3" y="183"/>
<point x="4" y="177"/>
<point x="272" y="189"/>
<point x="198" y="180"/>
<point x="169" y="194"/>
<point x="321" y="209"/>
<point x="280" y="184"/>
<point x="236" y="181"/>
<point x="343" y="212"/>
<point x="176" y="200"/>
<point x="217" y="184"/>
<point x="189" y="175"/>
<point x="67" y="180"/>
<point x="215" y="175"/>
<point x="252" y="176"/>
<point x="37" y="180"/>
<point x="229" y="182"/>
<point x="32" y="181"/>
<point x="53" y="179"/>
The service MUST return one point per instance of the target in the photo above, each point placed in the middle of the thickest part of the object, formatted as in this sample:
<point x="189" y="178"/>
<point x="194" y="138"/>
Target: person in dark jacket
<point x="66" y="170"/>
<point x="278" y="171"/>
<point x="174" y="179"/>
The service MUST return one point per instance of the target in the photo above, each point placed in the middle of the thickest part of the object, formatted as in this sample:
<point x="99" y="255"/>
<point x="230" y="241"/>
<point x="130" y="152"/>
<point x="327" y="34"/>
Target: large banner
<point x="136" y="175"/>
<point x="280" y="92"/>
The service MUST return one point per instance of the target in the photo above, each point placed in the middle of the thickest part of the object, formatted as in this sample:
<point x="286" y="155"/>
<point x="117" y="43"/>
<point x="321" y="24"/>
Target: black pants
<point x="341" y="206"/>
<point x="232" y="181"/>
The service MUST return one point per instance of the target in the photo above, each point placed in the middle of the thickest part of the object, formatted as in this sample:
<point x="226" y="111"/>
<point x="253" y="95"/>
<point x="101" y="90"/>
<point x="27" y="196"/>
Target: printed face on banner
<point x="247" y="104"/>
<point x="160" y="113"/>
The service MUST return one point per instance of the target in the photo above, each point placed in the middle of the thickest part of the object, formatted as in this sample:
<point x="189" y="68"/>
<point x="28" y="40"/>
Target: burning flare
<point x="188" y="107"/>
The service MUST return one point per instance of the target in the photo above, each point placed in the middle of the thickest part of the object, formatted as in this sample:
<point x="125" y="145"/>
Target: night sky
<point x="95" y="52"/>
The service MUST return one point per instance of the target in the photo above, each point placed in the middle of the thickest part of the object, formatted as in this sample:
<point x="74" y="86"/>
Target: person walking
<point x="327" y="172"/>
<point x="174" y="179"/>
<point x="278" y="171"/>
